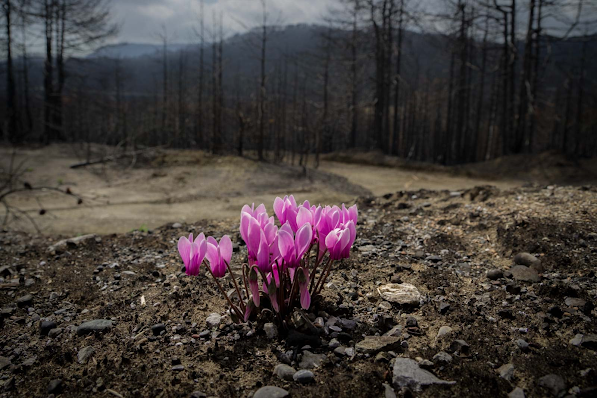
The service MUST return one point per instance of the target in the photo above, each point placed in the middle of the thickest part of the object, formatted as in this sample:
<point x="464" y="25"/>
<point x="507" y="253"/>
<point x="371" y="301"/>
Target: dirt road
<point x="186" y="186"/>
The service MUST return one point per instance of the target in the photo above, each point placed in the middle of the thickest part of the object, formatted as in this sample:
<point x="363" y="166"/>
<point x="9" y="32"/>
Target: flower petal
<point x="184" y="249"/>
<point x="226" y="248"/>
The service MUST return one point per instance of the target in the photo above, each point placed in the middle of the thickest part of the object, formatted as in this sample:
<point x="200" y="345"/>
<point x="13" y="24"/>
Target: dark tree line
<point x="466" y="81"/>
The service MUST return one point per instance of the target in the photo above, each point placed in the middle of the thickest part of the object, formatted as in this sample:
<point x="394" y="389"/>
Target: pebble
<point x="506" y="371"/>
<point x="587" y="341"/>
<point x="55" y="386"/>
<point x="374" y="344"/>
<point x="96" y="325"/>
<point x="403" y="294"/>
<point x="407" y="373"/>
<point x="575" y="302"/>
<point x="46" y="326"/>
<point x="388" y="391"/>
<point x="178" y="368"/>
<point x="443" y="331"/>
<point x="522" y="344"/>
<point x="554" y="383"/>
<point x="284" y="372"/>
<point x="271" y="331"/>
<point x="494" y="274"/>
<point x="84" y="354"/>
<point x="213" y="320"/>
<point x="526" y="259"/>
<point x="516" y="393"/>
<point x="304" y="376"/>
<point x="460" y="346"/>
<point x="270" y="392"/>
<point x="176" y="225"/>
<point x="310" y="360"/>
<point x="25" y="301"/>
<point x="525" y="274"/>
<point x="158" y="328"/>
<point x="442" y="358"/>
<point x="4" y="363"/>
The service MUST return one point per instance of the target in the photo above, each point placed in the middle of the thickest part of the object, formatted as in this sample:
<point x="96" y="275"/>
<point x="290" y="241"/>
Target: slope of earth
<point x="489" y="326"/>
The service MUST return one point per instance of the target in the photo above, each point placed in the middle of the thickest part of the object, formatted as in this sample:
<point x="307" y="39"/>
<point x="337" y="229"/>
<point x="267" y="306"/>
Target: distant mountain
<point x="133" y="50"/>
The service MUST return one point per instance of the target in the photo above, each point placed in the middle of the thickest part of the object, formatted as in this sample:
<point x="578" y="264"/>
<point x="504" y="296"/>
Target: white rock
<point x="401" y="293"/>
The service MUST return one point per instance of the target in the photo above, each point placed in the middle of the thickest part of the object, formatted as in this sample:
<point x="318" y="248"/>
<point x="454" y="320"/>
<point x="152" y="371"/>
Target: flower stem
<point x="232" y="306"/>
<point x="324" y="275"/>
<point x="240" y="298"/>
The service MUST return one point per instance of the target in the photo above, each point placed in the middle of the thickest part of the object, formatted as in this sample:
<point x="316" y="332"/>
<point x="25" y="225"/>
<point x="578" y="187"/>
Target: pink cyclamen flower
<point x="303" y="282"/>
<point x="286" y="210"/>
<point x="293" y="248"/>
<point x="192" y="252"/>
<point x="340" y="240"/>
<point x="219" y="255"/>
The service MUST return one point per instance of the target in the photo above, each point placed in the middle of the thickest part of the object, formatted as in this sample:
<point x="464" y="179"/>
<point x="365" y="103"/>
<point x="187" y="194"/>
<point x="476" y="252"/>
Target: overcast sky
<point x="141" y="20"/>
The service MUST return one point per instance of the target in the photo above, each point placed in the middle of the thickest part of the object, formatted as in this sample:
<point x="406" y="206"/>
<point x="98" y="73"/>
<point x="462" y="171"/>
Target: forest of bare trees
<point x="458" y="81"/>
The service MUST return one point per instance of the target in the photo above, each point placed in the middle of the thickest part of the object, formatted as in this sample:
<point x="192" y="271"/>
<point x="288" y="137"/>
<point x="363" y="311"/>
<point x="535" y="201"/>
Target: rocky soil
<point x="471" y="293"/>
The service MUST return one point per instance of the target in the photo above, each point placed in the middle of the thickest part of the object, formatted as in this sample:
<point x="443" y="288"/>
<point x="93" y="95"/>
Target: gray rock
<point x="176" y="225"/>
<point x="407" y="373"/>
<point x="198" y="394"/>
<point x="575" y="302"/>
<point x="526" y="259"/>
<point x="577" y="340"/>
<point x="525" y="274"/>
<point x="60" y="246"/>
<point x="84" y="354"/>
<point x="443" y="331"/>
<point x="304" y="376"/>
<point x="494" y="274"/>
<point x="388" y="391"/>
<point x="213" y="320"/>
<point x="94" y="326"/>
<point x="587" y="341"/>
<point x="178" y="368"/>
<point x="340" y="351"/>
<point x="25" y="301"/>
<point x="460" y="346"/>
<point x="554" y="383"/>
<point x="506" y="371"/>
<point x="396" y="331"/>
<point x="270" y="392"/>
<point x="334" y="343"/>
<point x="53" y="333"/>
<point x="374" y="344"/>
<point x="55" y="386"/>
<point x="271" y="331"/>
<point x="4" y="363"/>
<point x="516" y="393"/>
<point x="401" y="293"/>
<point x="442" y="358"/>
<point x="284" y="372"/>
<point x="158" y="328"/>
<point x="522" y="344"/>
<point x="46" y="326"/>
<point x="311" y="361"/>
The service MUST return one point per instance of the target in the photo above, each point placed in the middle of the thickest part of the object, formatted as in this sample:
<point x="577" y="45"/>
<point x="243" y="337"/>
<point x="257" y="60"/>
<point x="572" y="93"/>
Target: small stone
<point x="304" y="376"/>
<point x="526" y="259"/>
<point x="177" y="225"/>
<point x="506" y="371"/>
<point x="403" y="294"/>
<point x="310" y="360"/>
<point x="444" y="307"/>
<point x="494" y="274"/>
<point x="525" y="274"/>
<point x="198" y="394"/>
<point x="516" y="393"/>
<point x="25" y="301"/>
<point x="443" y="331"/>
<point x="554" y="383"/>
<point x="334" y="343"/>
<point x="374" y="344"/>
<point x="407" y="373"/>
<point x="388" y="391"/>
<point x="577" y="340"/>
<point x="46" y="326"/>
<point x="522" y="344"/>
<point x="178" y="368"/>
<point x="271" y="331"/>
<point x="460" y="346"/>
<point x="96" y="325"/>
<point x="271" y="392"/>
<point x="575" y="302"/>
<point x="84" y="354"/>
<point x="4" y="363"/>
<point x="396" y="331"/>
<point x="55" y="386"/>
<point x="442" y="358"/>
<point x="284" y="372"/>
<point x="213" y="320"/>
<point x="158" y="328"/>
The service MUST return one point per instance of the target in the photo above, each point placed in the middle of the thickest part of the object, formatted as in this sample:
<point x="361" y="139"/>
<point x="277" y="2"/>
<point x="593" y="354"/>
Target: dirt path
<point x="382" y="180"/>
<point x="186" y="186"/>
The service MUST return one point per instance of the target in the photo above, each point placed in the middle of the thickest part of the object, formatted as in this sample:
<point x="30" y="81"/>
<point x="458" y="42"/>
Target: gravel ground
<point x="446" y="294"/>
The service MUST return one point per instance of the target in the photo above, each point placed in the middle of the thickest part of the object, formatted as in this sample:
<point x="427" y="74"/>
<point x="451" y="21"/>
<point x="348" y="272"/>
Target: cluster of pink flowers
<point x="280" y="255"/>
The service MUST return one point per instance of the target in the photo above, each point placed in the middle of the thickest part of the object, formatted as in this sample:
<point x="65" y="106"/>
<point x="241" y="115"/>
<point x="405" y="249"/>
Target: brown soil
<point x="440" y="242"/>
